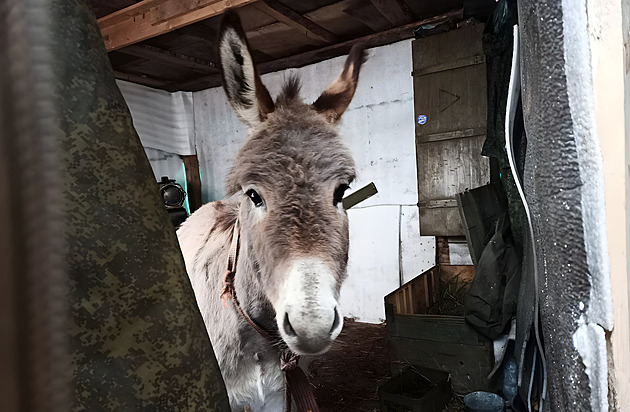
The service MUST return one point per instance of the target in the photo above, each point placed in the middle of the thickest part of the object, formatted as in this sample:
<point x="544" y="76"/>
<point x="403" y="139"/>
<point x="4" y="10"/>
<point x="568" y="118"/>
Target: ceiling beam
<point x="128" y="12"/>
<point x="313" y="56"/>
<point x="396" y="11"/>
<point x="201" y="32"/>
<point x="142" y="79"/>
<point x="150" y="18"/>
<point x="289" y="17"/>
<point x="169" y="57"/>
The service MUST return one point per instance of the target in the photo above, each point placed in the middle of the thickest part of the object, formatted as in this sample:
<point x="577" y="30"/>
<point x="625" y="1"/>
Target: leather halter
<point x="295" y="382"/>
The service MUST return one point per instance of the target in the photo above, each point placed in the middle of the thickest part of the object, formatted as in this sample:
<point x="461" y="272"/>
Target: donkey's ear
<point x="241" y="82"/>
<point x="336" y="98"/>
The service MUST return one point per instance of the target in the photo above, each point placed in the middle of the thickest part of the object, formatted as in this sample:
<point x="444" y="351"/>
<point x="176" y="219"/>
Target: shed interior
<point x="178" y="53"/>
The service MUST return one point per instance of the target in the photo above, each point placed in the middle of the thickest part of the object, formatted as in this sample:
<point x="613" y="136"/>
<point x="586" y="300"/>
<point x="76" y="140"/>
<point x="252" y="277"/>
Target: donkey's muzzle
<point x="307" y="312"/>
<point x="314" y="336"/>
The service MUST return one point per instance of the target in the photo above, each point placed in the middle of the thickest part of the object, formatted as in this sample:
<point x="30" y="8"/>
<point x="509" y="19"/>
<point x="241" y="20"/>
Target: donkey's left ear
<point x="336" y="98"/>
<point x="242" y="84"/>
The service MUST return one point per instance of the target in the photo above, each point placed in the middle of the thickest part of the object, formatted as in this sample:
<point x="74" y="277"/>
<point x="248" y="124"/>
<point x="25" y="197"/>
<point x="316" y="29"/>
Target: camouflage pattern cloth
<point x="137" y="338"/>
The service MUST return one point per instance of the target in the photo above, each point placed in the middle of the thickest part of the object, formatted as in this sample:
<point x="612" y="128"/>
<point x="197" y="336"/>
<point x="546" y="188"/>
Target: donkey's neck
<point x="249" y="291"/>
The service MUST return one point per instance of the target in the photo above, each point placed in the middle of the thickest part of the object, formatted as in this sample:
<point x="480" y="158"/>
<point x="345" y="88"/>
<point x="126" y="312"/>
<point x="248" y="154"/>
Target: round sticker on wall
<point x="422" y="119"/>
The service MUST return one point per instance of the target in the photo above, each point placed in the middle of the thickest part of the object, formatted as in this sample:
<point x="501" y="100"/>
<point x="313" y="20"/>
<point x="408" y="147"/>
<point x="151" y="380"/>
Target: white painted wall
<point x="378" y="127"/>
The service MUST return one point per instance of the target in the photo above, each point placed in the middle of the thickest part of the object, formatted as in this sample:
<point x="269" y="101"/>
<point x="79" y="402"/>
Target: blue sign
<point x="422" y="119"/>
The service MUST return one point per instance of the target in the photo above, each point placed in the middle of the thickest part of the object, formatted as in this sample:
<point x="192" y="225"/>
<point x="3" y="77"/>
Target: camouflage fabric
<point x="138" y="341"/>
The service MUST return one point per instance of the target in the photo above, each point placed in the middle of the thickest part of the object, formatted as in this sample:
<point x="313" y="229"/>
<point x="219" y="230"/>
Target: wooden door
<point x="449" y="74"/>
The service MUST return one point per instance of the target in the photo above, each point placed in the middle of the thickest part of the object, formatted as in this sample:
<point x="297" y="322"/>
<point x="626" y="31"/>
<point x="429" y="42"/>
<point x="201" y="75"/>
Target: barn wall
<point x="164" y="122"/>
<point x="378" y="127"/>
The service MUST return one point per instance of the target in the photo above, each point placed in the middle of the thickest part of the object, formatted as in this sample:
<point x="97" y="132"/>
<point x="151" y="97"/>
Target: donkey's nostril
<point x="288" y="329"/>
<point x="335" y="324"/>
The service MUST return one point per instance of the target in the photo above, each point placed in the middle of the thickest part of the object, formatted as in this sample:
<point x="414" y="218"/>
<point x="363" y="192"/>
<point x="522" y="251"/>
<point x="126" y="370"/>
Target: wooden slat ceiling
<point x="170" y="44"/>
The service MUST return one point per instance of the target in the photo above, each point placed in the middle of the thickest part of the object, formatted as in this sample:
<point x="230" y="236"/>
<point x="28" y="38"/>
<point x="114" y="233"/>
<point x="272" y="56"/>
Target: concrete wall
<point x="385" y="245"/>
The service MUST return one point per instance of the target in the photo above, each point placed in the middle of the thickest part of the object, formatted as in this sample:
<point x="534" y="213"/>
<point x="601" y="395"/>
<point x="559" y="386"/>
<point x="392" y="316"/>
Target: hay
<point x="451" y="297"/>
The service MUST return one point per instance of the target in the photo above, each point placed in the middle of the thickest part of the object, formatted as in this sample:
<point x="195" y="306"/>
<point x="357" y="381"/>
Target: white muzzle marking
<point x="307" y="312"/>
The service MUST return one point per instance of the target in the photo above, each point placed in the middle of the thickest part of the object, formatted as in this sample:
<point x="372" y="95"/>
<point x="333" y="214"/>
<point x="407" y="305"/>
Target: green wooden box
<point x="440" y="342"/>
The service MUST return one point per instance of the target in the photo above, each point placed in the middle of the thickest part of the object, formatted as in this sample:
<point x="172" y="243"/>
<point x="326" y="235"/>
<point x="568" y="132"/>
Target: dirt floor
<point x="347" y="377"/>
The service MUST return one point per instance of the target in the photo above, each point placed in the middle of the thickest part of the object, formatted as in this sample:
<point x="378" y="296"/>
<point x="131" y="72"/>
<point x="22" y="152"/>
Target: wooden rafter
<point x="199" y="31"/>
<point x="299" y="60"/>
<point x="289" y="17"/>
<point x="150" y="18"/>
<point x="169" y="57"/>
<point x="128" y="12"/>
<point x="142" y="79"/>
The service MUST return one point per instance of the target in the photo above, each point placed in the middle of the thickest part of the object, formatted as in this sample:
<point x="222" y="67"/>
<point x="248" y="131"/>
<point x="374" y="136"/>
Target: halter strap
<point x="296" y="382"/>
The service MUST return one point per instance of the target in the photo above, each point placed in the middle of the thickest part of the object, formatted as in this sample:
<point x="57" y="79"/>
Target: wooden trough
<point x="435" y="341"/>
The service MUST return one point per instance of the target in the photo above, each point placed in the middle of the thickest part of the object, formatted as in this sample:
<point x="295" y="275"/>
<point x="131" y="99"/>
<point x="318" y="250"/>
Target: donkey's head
<point x="292" y="173"/>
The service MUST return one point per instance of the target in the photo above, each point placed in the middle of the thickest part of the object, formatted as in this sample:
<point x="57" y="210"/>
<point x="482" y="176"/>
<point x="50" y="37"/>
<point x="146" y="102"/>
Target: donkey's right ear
<point x="245" y="91"/>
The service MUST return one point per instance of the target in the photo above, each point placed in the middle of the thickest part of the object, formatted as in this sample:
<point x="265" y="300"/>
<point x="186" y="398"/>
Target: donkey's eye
<point x="254" y="197"/>
<point x="339" y="192"/>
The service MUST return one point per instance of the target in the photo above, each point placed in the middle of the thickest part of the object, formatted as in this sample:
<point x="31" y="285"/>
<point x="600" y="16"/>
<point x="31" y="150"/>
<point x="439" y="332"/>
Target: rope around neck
<point x="296" y="383"/>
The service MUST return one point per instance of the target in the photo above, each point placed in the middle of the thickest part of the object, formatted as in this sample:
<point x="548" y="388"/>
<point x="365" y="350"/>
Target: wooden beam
<point x="142" y="79"/>
<point x="127" y="26"/>
<point x="193" y="181"/>
<point x="289" y="17"/>
<point x="396" y="11"/>
<point x="169" y="57"/>
<point x="317" y="55"/>
<point x="128" y="12"/>
<point x="200" y="31"/>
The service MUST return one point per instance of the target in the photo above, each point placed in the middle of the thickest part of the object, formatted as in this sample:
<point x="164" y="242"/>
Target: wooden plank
<point x="454" y="134"/>
<point x="142" y="79"/>
<point x="445" y="170"/>
<point x="179" y="8"/>
<point x="468" y="365"/>
<point x="440" y="222"/>
<point x="437" y="203"/>
<point x="138" y="27"/>
<point x="452" y="46"/>
<point x="463" y="273"/>
<point x="201" y="32"/>
<point x="128" y="12"/>
<point x="304" y="25"/>
<point x="366" y="13"/>
<point x="417" y="295"/>
<point x="436" y="328"/>
<point x="466" y="61"/>
<point x="396" y="11"/>
<point x="193" y="181"/>
<point x="170" y="57"/>
<point x="328" y="52"/>
<point x="453" y="101"/>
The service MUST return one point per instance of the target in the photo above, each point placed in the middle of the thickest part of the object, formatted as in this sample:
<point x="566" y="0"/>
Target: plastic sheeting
<point x="163" y="120"/>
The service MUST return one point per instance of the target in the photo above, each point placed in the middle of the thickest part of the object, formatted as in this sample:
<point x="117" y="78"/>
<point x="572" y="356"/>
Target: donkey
<point x="284" y="190"/>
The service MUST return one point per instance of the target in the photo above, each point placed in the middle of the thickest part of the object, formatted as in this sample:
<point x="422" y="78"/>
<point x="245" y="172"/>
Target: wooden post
<point x="193" y="181"/>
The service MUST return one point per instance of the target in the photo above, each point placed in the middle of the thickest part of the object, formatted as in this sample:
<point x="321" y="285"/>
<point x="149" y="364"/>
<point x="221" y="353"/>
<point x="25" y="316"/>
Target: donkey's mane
<point x="290" y="91"/>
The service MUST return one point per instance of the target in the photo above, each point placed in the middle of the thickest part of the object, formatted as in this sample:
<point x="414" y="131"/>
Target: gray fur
<point x="295" y="161"/>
